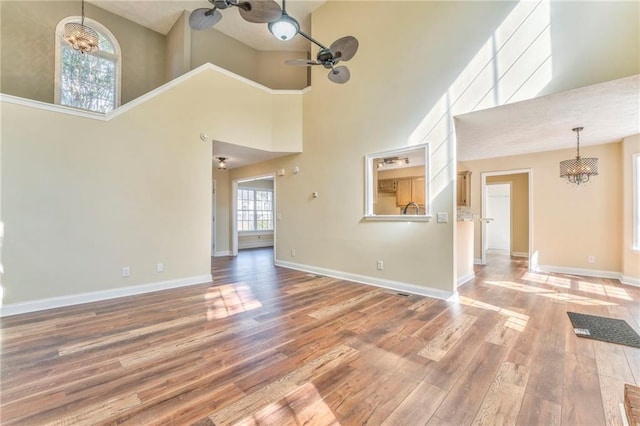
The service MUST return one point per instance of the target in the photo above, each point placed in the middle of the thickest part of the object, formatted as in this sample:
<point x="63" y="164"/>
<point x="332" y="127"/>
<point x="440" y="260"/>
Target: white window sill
<point x="399" y="218"/>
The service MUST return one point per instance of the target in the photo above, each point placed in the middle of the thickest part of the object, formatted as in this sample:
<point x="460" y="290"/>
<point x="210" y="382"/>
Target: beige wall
<point x="223" y="212"/>
<point x="77" y="209"/>
<point x="267" y="68"/>
<point x="630" y="258"/>
<point x="28" y="57"/>
<point x="178" y="48"/>
<point x="519" y="210"/>
<point x="83" y="198"/>
<point x="569" y="224"/>
<point x="63" y="184"/>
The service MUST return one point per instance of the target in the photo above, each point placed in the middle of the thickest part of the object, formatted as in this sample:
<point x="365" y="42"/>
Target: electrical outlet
<point x="443" y="217"/>
<point x="126" y="271"/>
<point x="293" y="252"/>
<point x="380" y="265"/>
<point x="592" y="259"/>
<point x="159" y="267"/>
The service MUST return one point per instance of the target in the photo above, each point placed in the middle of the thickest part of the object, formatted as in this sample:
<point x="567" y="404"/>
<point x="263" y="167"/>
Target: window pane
<point x="87" y="81"/>
<point x="255" y="210"/>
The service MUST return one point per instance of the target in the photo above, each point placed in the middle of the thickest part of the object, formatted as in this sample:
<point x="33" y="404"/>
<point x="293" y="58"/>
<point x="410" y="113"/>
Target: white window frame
<point x="635" y="221"/>
<point x="255" y="216"/>
<point x="116" y="57"/>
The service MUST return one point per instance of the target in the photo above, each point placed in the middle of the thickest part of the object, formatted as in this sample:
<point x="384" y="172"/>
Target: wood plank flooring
<point x="264" y="345"/>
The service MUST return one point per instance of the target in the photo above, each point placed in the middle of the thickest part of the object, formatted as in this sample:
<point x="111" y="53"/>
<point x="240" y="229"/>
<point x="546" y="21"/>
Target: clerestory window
<point x="89" y="81"/>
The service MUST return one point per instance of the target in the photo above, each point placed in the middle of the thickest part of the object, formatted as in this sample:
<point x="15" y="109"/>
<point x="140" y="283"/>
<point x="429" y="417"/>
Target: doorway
<point x="499" y="208"/>
<point x="253" y="213"/>
<point x="520" y="214"/>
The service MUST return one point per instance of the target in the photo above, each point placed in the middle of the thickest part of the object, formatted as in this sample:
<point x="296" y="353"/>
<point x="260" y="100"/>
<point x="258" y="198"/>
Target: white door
<point x="499" y="208"/>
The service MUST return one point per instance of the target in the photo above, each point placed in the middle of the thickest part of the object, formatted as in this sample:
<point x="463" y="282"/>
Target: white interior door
<point x="499" y="208"/>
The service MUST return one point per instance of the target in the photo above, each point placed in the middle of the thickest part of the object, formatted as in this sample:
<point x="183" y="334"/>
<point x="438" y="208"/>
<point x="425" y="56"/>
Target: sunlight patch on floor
<point x="551" y="294"/>
<point x="515" y="320"/>
<point x="302" y="406"/>
<point x="230" y="299"/>
<point x="608" y="290"/>
<point x="547" y="279"/>
<point x="587" y="287"/>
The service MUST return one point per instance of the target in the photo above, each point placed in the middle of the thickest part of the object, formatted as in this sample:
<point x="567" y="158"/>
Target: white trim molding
<point x="96" y="296"/>
<point x="376" y="282"/>
<point x="223" y="253"/>
<point x="142" y="99"/>
<point x="520" y="254"/>
<point x="467" y="278"/>
<point x="624" y="279"/>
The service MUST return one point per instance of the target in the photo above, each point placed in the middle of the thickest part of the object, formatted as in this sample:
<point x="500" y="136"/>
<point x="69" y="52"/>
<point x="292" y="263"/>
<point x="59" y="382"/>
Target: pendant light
<point x="80" y="37"/>
<point x="578" y="171"/>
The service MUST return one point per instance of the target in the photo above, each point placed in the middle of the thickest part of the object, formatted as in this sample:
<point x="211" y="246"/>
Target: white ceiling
<point x="239" y="156"/>
<point x="608" y="112"/>
<point x="160" y="15"/>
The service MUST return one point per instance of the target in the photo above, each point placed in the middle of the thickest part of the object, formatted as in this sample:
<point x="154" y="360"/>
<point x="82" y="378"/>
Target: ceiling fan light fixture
<point x="285" y="28"/>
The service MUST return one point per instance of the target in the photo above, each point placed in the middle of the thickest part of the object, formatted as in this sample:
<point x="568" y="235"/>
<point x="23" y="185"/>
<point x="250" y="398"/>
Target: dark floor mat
<point x="605" y="329"/>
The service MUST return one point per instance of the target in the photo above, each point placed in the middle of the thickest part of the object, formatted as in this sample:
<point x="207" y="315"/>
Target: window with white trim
<point x="635" y="169"/>
<point x="255" y="209"/>
<point x="89" y="81"/>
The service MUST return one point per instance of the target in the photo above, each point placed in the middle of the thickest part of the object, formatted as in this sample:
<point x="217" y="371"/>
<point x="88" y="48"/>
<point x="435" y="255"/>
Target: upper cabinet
<point x="463" y="198"/>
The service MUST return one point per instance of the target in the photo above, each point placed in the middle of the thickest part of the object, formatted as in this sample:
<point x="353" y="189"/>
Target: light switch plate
<point x="443" y="217"/>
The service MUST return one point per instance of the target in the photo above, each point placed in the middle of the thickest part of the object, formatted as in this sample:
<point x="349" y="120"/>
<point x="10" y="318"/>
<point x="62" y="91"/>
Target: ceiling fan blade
<point x="301" y="62"/>
<point x="344" y="48"/>
<point x="339" y="74"/>
<point x="203" y="18"/>
<point x="260" y="11"/>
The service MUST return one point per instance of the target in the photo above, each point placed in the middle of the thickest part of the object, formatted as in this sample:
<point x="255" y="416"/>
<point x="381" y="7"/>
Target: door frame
<point x="483" y="234"/>
<point x="213" y="218"/>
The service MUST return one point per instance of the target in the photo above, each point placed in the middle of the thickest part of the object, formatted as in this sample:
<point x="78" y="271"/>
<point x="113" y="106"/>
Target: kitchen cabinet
<point x="463" y="196"/>
<point x="387" y="185"/>
<point x="410" y="189"/>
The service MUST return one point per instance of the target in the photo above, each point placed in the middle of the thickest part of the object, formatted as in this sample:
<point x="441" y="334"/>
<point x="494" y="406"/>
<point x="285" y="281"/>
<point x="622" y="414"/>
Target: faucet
<point x="411" y="203"/>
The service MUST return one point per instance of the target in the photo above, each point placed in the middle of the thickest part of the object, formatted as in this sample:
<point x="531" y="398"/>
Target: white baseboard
<point x="519" y="254"/>
<point x="624" y="279"/>
<point x="376" y="282"/>
<point x="465" y="279"/>
<point x="255" y="244"/>
<point x="96" y="296"/>
<point x="222" y="253"/>
<point x="578" y="271"/>
<point x="477" y="261"/>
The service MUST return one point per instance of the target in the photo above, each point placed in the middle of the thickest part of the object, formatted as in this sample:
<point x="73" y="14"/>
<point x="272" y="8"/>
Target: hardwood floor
<point x="272" y="346"/>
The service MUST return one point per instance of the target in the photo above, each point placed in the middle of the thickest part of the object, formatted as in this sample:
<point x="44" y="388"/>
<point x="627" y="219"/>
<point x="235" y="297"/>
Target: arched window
<point x="88" y="81"/>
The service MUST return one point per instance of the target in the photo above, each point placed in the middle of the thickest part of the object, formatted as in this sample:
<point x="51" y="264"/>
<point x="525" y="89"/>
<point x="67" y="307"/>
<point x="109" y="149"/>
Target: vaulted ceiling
<point x="160" y="15"/>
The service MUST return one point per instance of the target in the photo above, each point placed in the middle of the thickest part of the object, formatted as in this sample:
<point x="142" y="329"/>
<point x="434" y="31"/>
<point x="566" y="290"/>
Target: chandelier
<point x="81" y="37"/>
<point x="579" y="170"/>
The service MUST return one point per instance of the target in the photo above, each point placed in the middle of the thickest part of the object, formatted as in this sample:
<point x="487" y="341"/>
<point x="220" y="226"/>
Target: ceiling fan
<point x="342" y="49"/>
<point x="255" y="11"/>
<point x="284" y="27"/>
